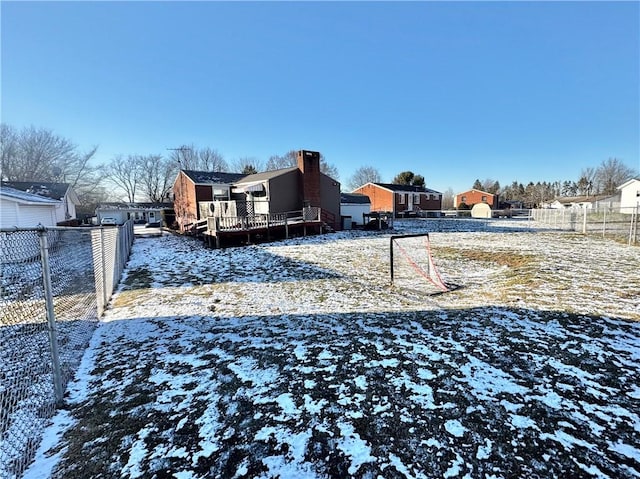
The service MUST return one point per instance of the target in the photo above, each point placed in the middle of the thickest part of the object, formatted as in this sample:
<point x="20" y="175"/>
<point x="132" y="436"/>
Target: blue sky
<point x="451" y="90"/>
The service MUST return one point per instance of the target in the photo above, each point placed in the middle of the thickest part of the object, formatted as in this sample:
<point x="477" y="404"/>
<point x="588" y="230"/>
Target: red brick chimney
<point x="309" y="165"/>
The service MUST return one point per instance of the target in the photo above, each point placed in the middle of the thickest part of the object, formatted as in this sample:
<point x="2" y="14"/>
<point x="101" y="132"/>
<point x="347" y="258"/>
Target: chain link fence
<point x="54" y="285"/>
<point x="617" y="223"/>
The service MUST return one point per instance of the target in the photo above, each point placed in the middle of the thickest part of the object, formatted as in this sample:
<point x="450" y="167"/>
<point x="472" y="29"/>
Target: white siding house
<point x="629" y="195"/>
<point x="26" y="210"/>
<point x="138" y="212"/>
<point x="66" y="197"/>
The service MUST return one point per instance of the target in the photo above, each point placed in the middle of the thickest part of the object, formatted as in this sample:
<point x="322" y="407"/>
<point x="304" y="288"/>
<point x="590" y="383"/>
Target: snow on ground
<point x="297" y="360"/>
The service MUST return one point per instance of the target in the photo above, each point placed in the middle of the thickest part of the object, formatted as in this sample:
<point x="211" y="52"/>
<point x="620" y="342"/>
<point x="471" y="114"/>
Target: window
<point x="484" y="198"/>
<point x="416" y="199"/>
<point x="464" y="199"/>
<point x="401" y="198"/>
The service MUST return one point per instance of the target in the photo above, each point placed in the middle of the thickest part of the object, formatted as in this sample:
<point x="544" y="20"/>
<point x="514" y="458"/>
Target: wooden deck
<point x="219" y="232"/>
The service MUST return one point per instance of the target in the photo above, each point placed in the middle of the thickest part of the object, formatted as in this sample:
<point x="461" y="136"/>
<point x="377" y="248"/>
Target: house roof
<point x="134" y="206"/>
<point x="26" y="198"/>
<point x="405" y="188"/>
<point x="477" y="191"/>
<point x="264" y="176"/>
<point x="354" y="198"/>
<point x="566" y="200"/>
<point x="630" y="181"/>
<point x="55" y="191"/>
<point x="212" y="177"/>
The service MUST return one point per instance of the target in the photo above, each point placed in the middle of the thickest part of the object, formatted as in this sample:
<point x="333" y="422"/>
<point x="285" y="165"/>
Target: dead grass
<point x="502" y="258"/>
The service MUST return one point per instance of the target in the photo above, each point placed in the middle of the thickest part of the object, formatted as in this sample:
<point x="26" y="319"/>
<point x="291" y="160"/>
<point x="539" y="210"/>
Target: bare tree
<point x="124" y="173"/>
<point x="612" y="173"/>
<point x="156" y="175"/>
<point x="364" y="175"/>
<point x="37" y="154"/>
<point x="247" y="165"/>
<point x="211" y="160"/>
<point x="490" y="186"/>
<point x="189" y="157"/>
<point x="290" y="159"/>
<point x="329" y="169"/>
<point x="447" y="199"/>
<point x="91" y="198"/>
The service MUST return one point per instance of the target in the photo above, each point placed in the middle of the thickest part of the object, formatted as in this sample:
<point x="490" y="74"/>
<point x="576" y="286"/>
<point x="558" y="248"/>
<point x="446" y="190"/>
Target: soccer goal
<point x="412" y="265"/>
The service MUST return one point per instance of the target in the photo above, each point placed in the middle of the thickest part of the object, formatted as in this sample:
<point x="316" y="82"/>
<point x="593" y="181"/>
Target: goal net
<point x="412" y="266"/>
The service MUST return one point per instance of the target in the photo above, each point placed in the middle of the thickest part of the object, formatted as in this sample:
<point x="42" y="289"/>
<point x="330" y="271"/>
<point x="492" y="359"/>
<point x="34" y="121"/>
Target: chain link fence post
<point x="51" y="315"/>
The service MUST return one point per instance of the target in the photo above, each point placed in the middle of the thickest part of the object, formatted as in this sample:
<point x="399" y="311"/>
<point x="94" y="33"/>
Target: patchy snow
<point x="455" y="428"/>
<point x="298" y="360"/>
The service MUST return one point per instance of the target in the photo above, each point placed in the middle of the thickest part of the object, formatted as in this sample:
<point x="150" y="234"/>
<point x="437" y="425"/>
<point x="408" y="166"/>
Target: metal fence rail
<point x="54" y="285"/>
<point x="618" y="223"/>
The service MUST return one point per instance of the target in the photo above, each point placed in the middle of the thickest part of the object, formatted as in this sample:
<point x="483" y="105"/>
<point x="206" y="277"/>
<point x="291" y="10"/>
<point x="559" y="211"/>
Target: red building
<point x="401" y="199"/>
<point x="473" y="197"/>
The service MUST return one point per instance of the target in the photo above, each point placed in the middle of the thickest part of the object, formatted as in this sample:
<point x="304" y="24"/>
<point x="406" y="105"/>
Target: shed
<point x="354" y="206"/>
<point x="481" y="210"/>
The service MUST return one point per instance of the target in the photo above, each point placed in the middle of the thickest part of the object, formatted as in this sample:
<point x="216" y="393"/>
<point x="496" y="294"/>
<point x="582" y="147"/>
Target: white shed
<point x="629" y="195"/>
<point x="354" y="206"/>
<point x="481" y="210"/>
<point x="26" y="210"/>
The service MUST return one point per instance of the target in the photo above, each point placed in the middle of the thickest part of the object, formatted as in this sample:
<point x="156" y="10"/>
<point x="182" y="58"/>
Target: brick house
<point x="401" y="200"/>
<point x="191" y="187"/>
<point x="291" y="189"/>
<point x="199" y="194"/>
<point x="473" y="197"/>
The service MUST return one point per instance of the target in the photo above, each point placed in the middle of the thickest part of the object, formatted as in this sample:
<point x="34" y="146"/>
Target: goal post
<point x="412" y="266"/>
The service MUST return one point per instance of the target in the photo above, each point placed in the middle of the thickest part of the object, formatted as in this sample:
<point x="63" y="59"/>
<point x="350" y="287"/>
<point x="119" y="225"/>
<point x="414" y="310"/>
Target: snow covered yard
<point x="296" y="359"/>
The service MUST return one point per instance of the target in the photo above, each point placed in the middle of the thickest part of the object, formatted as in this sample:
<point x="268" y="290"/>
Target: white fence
<point x="54" y="285"/>
<point x="618" y="223"/>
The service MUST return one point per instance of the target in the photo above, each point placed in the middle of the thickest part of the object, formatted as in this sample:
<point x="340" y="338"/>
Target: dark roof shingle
<point x="55" y="191"/>
<point x="212" y="177"/>
<point x="415" y="189"/>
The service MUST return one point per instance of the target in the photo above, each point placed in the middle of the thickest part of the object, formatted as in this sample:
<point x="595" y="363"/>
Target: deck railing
<point x="261" y="221"/>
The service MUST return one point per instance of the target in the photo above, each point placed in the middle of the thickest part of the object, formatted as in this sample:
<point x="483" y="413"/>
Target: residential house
<point x="26" y="210"/>
<point x="354" y="207"/>
<point x="62" y="192"/>
<point x="584" y="202"/>
<point x="402" y="200"/>
<point x="473" y="197"/>
<point x="192" y="187"/>
<point x="198" y="195"/>
<point x="290" y="189"/>
<point x="629" y="195"/>
<point x="140" y="213"/>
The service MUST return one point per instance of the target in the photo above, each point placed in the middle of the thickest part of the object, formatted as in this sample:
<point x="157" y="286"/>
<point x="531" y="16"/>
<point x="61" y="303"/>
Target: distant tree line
<point x="603" y="180"/>
<point x="38" y="154"/>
